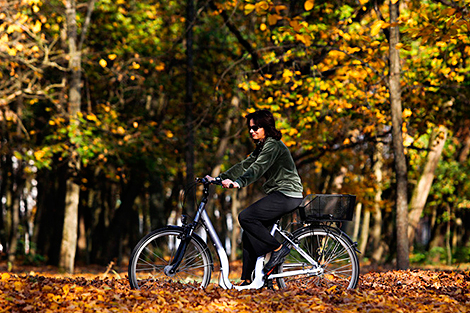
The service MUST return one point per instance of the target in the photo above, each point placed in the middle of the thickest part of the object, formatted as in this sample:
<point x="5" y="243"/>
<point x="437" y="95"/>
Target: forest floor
<point x="106" y="289"/>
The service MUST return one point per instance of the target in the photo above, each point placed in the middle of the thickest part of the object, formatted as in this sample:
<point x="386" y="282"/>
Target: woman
<point x="272" y="160"/>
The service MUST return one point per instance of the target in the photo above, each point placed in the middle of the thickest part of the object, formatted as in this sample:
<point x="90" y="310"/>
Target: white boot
<point x="258" y="282"/>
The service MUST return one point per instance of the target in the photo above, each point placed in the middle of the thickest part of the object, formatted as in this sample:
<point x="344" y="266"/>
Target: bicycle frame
<point x="224" y="282"/>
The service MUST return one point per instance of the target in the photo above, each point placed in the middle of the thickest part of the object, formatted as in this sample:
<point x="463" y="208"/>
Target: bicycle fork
<point x="171" y="269"/>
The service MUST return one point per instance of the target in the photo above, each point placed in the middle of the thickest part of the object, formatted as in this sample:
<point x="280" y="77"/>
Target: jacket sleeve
<point x="265" y="160"/>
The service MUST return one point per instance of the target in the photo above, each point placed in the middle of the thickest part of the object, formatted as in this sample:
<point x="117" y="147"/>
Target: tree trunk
<point x="398" y="148"/>
<point x="464" y="152"/>
<point x="238" y="199"/>
<point x="364" y="232"/>
<point x="421" y="191"/>
<point x="376" y="231"/>
<point x="219" y="154"/>
<point x="436" y="245"/>
<point x="4" y="170"/>
<point x="70" y="229"/>
<point x="14" y="202"/>
<point x="189" y="105"/>
<point x="357" y="221"/>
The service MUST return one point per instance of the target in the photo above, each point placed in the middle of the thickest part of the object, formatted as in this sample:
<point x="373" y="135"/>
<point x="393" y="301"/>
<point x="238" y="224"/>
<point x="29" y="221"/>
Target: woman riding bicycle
<point x="272" y="160"/>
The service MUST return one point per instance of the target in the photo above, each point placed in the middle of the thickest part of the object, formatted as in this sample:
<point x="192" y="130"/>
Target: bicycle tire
<point x="334" y="252"/>
<point x="157" y="250"/>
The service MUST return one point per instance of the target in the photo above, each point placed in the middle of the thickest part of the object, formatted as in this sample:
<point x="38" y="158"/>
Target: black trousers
<point x="257" y="221"/>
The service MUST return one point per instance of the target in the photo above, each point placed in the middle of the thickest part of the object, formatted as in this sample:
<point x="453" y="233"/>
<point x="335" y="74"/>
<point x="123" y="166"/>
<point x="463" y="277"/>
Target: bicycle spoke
<point x="152" y="256"/>
<point x="336" y="258"/>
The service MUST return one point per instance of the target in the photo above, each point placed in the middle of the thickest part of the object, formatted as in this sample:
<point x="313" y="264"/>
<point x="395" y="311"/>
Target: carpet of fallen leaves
<point x="388" y="291"/>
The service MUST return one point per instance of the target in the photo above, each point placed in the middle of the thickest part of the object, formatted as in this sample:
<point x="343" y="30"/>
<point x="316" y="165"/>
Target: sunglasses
<point x="254" y="128"/>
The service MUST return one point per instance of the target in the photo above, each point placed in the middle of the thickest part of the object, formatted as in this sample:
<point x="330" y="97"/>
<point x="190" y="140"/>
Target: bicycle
<point x="322" y="254"/>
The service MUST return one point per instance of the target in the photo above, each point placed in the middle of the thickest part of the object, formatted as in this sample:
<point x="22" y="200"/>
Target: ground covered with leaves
<point x="390" y="291"/>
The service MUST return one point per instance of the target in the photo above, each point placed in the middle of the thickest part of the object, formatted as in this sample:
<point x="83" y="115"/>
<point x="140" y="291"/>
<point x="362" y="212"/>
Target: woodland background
<point x="109" y="109"/>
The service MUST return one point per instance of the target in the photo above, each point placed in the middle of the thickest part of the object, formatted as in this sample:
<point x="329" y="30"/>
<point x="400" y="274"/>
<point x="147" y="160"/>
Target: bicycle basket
<point x="327" y="207"/>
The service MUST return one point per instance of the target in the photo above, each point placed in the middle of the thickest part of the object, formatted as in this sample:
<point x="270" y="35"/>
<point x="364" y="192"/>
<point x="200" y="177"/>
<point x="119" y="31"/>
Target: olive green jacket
<point x="275" y="163"/>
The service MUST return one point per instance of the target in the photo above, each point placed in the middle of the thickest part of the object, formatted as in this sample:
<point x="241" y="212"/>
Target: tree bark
<point x="222" y="148"/>
<point x="421" y="191"/>
<point x="190" y="16"/>
<point x="357" y="221"/>
<point x="238" y="199"/>
<point x="376" y="230"/>
<point x="69" y="232"/>
<point x="398" y="148"/>
<point x="14" y="202"/>
<point x="70" y="229"/>
<point x="364" y="237"/>
<point x="465" y="151"/>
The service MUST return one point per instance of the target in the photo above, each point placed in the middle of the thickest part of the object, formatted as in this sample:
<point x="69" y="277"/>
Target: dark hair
<point x="265" y="119"/>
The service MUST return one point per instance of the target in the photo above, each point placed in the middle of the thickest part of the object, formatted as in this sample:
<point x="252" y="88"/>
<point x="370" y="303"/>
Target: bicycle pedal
<point x="269" y="272"/>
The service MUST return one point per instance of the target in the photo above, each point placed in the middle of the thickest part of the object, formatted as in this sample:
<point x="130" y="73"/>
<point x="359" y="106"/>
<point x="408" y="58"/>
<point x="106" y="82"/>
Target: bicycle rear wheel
<point x="157" y="250"/>
<point x="334" y="253"/>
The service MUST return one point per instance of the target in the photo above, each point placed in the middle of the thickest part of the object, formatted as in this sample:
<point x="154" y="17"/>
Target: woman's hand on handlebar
<point x="228" y="183"/>
<point x="209" y="178"/>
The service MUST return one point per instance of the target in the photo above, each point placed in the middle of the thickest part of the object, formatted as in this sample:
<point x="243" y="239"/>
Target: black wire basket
<point x="327" y="207"/>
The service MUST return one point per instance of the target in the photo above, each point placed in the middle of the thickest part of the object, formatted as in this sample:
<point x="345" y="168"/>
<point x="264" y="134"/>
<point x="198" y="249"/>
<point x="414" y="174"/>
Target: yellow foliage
<point x="459" y="78"/>
<point x="273" y="18"/>
<point x="120" y="130"/>
<point x="103" y="63"/>
<point x="261" y="7"/>
<point x="308" y="5"/>
<point x="12" y="51"/>
<point x="249" y="8"/>
<point x="39" y="154"/>
<point x="376" y="27"/>
<point x="287" y="73"/>
<point x="36" y="27"/>
<point x="254" y="85"/>
<point x="304" y="38"/>
<point x="91" y="117"/>
<point x="346" y="36"/>
<point x="336" y="54"/>
<point x="160" y="67"/>
<point x="407" y="113"/>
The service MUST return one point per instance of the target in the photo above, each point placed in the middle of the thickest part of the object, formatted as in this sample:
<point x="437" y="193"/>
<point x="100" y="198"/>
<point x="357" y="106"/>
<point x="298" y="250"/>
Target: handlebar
<point x="216" y="181"/>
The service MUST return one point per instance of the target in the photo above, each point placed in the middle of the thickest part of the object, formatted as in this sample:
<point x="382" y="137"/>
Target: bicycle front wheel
<point x="337" y="259"/>
<point x="157" y="250"/>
